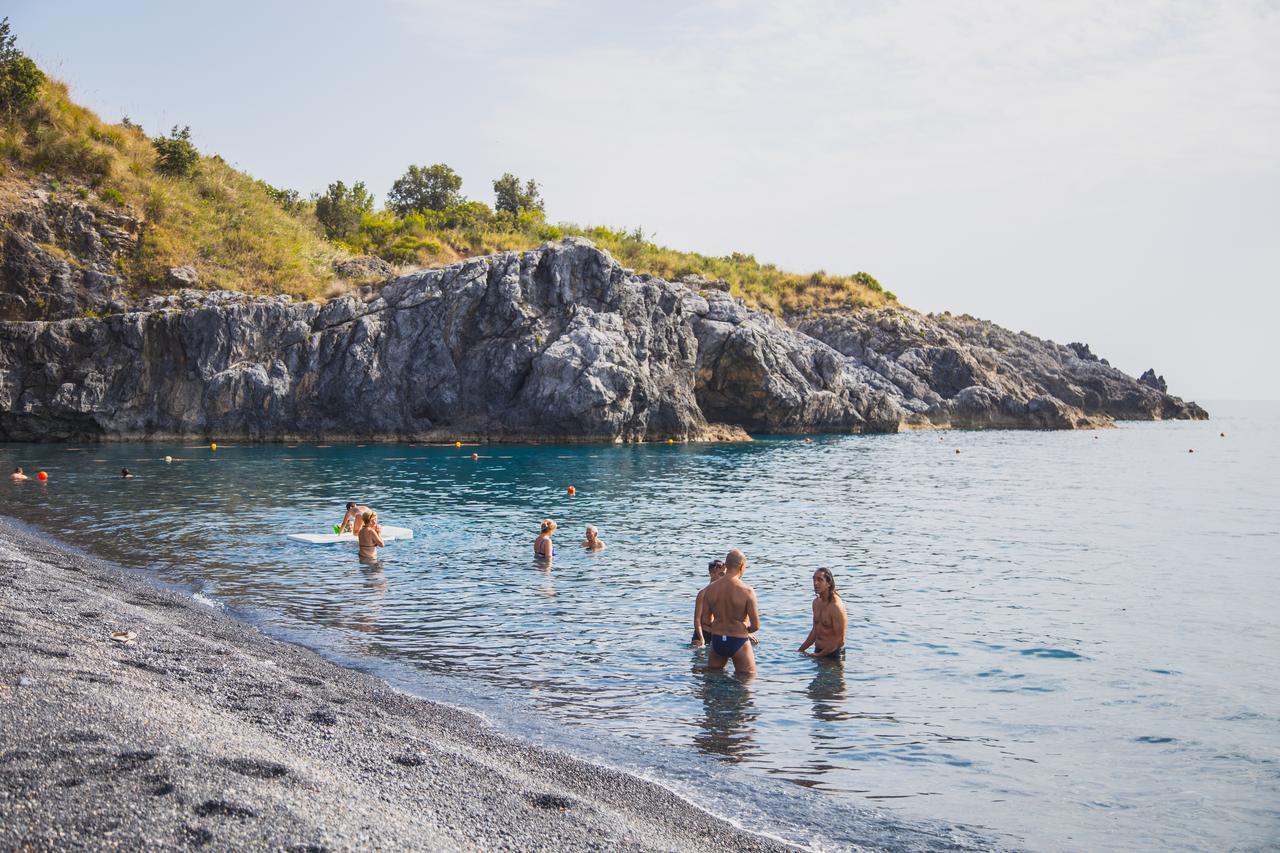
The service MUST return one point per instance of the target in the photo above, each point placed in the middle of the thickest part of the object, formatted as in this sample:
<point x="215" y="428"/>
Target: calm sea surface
<point x="1062" y="640"/>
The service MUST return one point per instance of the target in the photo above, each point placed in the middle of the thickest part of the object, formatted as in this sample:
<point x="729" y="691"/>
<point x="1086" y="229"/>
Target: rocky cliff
<point x="559" y="343"/>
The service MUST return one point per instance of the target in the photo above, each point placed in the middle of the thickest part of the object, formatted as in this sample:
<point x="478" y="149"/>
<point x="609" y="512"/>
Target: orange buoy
<point x="42" y="476"/>
<point x="475" y="455"/>
<point x="572" y="491"/>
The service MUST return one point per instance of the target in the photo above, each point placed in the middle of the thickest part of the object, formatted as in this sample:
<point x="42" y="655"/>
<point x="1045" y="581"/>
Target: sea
<point x="1057" y="640"/>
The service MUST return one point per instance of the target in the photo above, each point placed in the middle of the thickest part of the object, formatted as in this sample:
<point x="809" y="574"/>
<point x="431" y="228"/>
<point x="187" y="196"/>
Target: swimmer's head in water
<point x="715" y="568"/>
<point x="824" y="583"/>
<point x="735" y="561"/>
<point x="17" y="470"/>
<point x="548" y="526"/>
<point x="592" y="533"/>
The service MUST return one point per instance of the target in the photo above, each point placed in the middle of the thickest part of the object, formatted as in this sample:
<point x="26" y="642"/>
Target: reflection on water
<point x="1015" y="611"/>
<point x="728" y="717"/>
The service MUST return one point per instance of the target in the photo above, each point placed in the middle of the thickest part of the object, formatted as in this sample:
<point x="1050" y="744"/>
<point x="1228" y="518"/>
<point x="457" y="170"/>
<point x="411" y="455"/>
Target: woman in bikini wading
<point x="543" y="548"/>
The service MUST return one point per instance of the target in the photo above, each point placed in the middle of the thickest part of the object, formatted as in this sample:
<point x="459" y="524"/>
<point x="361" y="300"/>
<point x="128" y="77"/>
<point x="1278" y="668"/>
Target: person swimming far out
<point x="355" y="513"/>
<point x="593" y="542"/>
<point x="830" y="620"/>
<point x="715" y="571"/>
<point x="17" y="476"/>
<point x="370" y="537"/>
<point x="125" y="475"/>
<point x="729" y="607"/>
<point x="543" y="547"/>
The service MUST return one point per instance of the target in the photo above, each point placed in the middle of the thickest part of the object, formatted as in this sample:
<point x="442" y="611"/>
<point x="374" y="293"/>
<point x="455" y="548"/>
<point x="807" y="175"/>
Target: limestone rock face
<point x="958" y="371"/>
<point x="59" y="257"/>
<point x="558" y="343"/>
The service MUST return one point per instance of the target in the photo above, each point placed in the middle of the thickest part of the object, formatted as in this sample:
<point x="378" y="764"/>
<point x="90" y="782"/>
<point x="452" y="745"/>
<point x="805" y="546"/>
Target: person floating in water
<point x="543" y="548"/>
<point x="370" y="537"/>
<point x="593" y="542"/>
<point x="715" y="571"/>
<point x="17" y="476"/>
<point x="125" y="475"/>
<point x="730" y="609"/>
<point x="353" y="519"/>
<point x="829" y="619"/>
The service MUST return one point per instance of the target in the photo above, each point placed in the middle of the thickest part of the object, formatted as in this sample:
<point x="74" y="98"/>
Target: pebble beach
<point x="133" y="717"/>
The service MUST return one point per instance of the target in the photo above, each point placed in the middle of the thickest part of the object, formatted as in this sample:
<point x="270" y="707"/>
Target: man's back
<point x="729" y="601"/>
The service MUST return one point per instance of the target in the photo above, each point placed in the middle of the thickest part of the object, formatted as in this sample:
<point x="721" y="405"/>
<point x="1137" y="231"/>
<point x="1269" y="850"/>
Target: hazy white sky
<point x="1086" y="170"/>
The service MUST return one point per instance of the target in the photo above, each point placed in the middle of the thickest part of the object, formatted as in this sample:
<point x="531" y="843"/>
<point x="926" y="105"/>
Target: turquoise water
<point x="1056" y="641"/>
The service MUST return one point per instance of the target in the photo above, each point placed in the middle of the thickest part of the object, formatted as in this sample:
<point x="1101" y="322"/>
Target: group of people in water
<point x="726" y="615"/>
<point x="362" y="522"/>
<point x="726" y="611"/>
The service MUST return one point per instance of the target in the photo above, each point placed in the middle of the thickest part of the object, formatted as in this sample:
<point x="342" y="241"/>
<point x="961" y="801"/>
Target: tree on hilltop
<point x="424" y="188"/>
<point x="511" y="197"/>
<point x="341" y="209"/>
<point x="175" y="155"/>
<point x="20" y="78"/>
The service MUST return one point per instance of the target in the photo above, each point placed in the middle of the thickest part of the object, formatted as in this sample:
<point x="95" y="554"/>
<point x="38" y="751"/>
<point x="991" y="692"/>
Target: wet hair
<point x="547" y="525"/>
<point x="369" y="516"/>
<point x="715" y="566"/>
<point x="351" y="504"/>
<point x="18" y="470"/>
<point x="124" y="472"/>
<point x="830" y="579"/>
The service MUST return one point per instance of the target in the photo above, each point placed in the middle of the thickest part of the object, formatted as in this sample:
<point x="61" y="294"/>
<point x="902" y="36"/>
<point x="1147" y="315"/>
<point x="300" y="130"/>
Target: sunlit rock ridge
<point x="557" y="343"/>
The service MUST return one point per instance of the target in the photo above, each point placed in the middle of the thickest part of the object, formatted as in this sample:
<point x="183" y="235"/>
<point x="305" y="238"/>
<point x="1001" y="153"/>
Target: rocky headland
<point x="556" y="343"/>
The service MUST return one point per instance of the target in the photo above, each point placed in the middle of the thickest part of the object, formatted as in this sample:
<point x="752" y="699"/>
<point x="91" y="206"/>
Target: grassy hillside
<point x="239" y="233"/>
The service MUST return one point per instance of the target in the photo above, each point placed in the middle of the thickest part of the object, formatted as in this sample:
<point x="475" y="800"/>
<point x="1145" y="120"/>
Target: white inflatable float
<point x="389" y="534"/>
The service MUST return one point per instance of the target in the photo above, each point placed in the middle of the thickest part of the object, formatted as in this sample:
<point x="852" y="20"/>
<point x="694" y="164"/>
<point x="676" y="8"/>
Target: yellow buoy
<point x="457" y="444"/>
<point x="213" y="445"/>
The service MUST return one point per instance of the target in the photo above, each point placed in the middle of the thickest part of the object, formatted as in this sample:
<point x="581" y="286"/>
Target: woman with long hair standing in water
<point x="543" y="548"/>
<point x="829" y="619"/>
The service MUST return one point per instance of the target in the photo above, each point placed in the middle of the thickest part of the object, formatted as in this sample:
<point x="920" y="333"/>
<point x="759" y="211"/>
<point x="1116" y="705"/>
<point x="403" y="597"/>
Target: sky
<point x="1085" y="171"/>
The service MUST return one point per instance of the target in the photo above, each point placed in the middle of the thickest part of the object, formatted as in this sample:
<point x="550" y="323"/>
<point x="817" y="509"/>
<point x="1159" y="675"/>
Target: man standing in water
<point x="715" y="571"/>
<point x="729" y="607"/>
<point x="829" y="619"/>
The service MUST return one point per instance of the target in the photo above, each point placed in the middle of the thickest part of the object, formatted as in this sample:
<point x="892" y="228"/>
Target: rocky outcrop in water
<point x="559" y="343"/>
<point x="962" y="372"/>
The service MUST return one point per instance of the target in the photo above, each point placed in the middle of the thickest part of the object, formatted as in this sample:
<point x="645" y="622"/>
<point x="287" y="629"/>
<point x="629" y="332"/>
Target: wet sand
<point x="203" y="732"/>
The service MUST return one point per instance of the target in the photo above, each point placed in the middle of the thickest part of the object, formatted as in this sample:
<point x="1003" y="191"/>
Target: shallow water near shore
<point x="1063" y="640"/>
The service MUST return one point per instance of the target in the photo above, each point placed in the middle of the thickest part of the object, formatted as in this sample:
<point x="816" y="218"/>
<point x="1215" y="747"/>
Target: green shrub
<point x="175" y="155"/>
<point x="20" y="78"/>
<point x="289" y="200"/>
<point x="868" y="281"/>
<point x="340" y="209"/>
<point x="112" y="195"/>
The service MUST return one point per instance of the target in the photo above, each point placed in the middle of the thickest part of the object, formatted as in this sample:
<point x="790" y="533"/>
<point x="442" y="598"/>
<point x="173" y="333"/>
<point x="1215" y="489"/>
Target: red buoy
<point x="572" y="491"/>
<point x="42" y="476"/>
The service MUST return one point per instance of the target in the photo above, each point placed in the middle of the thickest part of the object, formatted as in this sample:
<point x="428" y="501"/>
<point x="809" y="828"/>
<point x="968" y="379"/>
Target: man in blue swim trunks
<point x="729" y="605"/>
